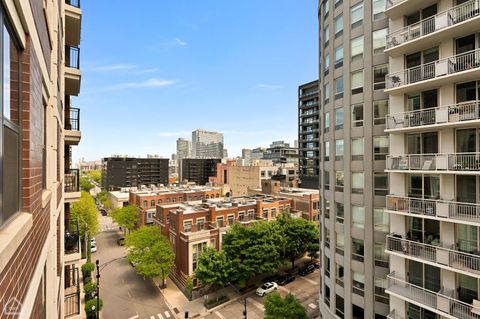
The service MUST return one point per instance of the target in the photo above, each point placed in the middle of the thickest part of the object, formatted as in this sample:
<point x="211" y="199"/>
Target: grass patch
<point x="211" y="303"/>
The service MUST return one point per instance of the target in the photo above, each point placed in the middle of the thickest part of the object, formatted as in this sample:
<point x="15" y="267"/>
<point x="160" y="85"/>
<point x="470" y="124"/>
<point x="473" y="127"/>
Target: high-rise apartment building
<point x="246" y="155"/>
<point x="434" y="162"/>
<point x="199" y="170"/>
<point x="353" y="183"/>
<point x="39" y="243"/>
<point x="281" y="152"/>
<point x="308" y="134"/>
<point x="184" y="149"/>
<point x="207" y="144"/>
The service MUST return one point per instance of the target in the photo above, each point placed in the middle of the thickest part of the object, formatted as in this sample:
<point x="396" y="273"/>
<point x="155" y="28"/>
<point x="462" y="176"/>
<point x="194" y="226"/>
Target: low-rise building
<point x="120" y="198"/>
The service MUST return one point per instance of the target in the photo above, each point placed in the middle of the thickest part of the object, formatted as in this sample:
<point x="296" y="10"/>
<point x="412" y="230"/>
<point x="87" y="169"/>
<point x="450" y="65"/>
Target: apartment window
<point x="381" y="220"/>
<point x="380" y="182"/>
<point x="358" y="283"/>
<point x="338" y="55"/>
<point x="357" y="115"/>
<point x="358" y="248"/>
<point x="356" y="47"/>
<point x="357" y="149"/>
<point x="380" y="147"/>
<point x="326" y="7"/>
<point x="327" y="122"/>
<point x="339" y="118"/>
<point x="326" y="64"/>
<point x="327" y="266"/>
<point x="339" y="212"/>
<point x="159" y="201"/>
<point x="327" y="295"/>
<point x="327" y="237"/>
<point x="380" y="295"/>
<point x="338" y="3"/>
<point x="187" y="226"/>
<point x="340" y="243"/>
<point x="339" y="88"/>
<point x="326" y="35"/>
<point x="273" y="212"/>
<point x="358" y="216"/>
<point x="230" y="219"/>
<point x="145" y="204"/>
<point x="152" y="203"/>
<point x="381" y="257"/>
<point x="326" y="92"/>
<point x="265" y="214"/>
<point x="241" y="216"/>
<point x="327" y="208"/>
<point x="201" y="224"/>
<point x="339" y="181"/>
<point x="197" y="250"/>
<point x="327" y="150"/>
<point x="168" y="200"/>
<point x="339" y="149"/>
<point x="379" y="40"/>
<point x="338" y="26"/>
<point x="357" y="182"/>
<point x="380" y="111"/>
<point x="339" y="306"/>
<point x="339" y="274"/>
<point x="378" y="9"/>
<point x="357" y="82"/>
<point x="220" y="221"/>
<point x="379" y="73"/>
<point x="356" y="15"/>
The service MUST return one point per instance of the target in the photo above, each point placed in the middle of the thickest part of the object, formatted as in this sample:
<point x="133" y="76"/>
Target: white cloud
<point x="180" y="42"/>
<point x="176" y="42"/>
<point x="172" y="134"/>
<point x="114" y="67"/>
<point x="269" y="86"/>
<point x="150" y="83"/>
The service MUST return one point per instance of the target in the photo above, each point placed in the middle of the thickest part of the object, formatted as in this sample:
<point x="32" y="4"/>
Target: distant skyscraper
<point x="183" y="148"/>
<point x="207" y="144"/>
<point x="225" y="153"/>
<point x="247" y="155"/>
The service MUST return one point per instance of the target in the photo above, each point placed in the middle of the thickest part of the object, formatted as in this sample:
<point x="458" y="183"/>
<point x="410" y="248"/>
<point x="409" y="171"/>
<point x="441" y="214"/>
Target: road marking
<point x="134" y="317"/>
<point x="256" y="304"/>
<point x="167" y="314"/>
<point x="159" y="316"/>
<point x="312" y="305"/>
<point x="152" y="317"/>
<point x="313" y="282"/>
<point x="219" y="315"/>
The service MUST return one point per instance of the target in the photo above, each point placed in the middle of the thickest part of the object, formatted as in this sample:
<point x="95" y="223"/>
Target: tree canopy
<point x="150" y="252"/>
<point x="95" y="175"/>
<point x="85" y="211"/>
<point x="126" y="217"/>
<point x="103" y="198"/>
<point x="213" y="268"/>
<point x="85" y="184"/>
<point x="285" y="308"/>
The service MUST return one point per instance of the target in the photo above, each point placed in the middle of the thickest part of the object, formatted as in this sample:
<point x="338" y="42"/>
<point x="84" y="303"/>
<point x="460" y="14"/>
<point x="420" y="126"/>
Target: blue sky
<point x="157" y="71"/>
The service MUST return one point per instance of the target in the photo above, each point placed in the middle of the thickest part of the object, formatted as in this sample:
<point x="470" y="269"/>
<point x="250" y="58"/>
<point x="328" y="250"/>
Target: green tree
<point x="96" y="176"/>
<point x="289" y="307"/>
<point x="299" y="236"/>
<point x="126" y="217"/>
<point x="85" y="211"/>
<point x="151" y="253"/>
<point x="253" y="250"/>
<point x="85" y="184"/>
<point x="213" y="268"/>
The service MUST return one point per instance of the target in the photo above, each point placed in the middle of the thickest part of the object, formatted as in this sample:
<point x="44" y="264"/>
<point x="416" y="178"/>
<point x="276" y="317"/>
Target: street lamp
<point x="98" y="288"/>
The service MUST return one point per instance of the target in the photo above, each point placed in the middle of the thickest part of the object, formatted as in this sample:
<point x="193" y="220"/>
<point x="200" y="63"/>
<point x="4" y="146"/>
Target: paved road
<point x="125" y="294"/>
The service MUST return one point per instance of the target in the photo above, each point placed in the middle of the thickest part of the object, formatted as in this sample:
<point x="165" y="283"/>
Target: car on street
<point x="266" y="288"/>
<point x="93" y="247"/>
<point x="293" y="271"/>
<point x="121" y="241"/>
<point x="307" y="270"/>
<point x="103" y="212"/>
<point x="315" y="263"/>
<point x="272" y="278"/>
<point x="285" y="279"/>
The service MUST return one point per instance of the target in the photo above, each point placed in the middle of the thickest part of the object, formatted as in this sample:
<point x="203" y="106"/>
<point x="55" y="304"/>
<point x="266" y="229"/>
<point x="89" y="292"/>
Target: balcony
<point x="72" y="70"/>
<point x="72" y="185"/>
<point x="435" y="253"/>
<point x="72" y="292"/>
<point x="398" y="8"/>
<point x="453" y="23"/>
<point x="464" y="67"/>
<point x="460" y="114"/>
<point x="73" y="22"/>
<point x="72" y="127"/>
<point x="466" y="163"/>
<point x="441" y="302"/>
<point x="463" y="213"/>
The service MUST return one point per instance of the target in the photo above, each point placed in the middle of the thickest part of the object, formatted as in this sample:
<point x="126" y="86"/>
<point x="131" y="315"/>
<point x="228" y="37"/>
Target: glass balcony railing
<point x="451" y="65"/>
<point x="465" y="111"/>
<point x="445" y="19"/>
<point x="464" y="162"/>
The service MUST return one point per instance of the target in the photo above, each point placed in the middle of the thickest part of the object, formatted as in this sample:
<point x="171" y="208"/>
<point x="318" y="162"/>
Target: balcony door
<point x="422" y="143"/>
<point x="469" y="91"/>
<point x="465" y="44"/>
<point x="423" y="230"/>
<point x="416" y="312"/>
<point x="466" y="140"/>
<point x="423" y="275"/>
<point x="467" y="288"/>
<point x="424" y="186"/>
<point x="418" y="65"/>
<point x="467" y="238"/>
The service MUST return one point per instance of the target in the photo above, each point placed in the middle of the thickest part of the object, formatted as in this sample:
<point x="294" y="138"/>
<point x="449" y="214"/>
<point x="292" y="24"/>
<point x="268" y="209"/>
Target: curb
<point x="226" y="303"/>
<point x="165" y="299"/>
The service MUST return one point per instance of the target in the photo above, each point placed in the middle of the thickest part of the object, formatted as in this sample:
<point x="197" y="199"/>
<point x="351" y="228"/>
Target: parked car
<point x="292" y="271"/>
<point x="93" y="247"/>
<point x="307" y="270"/>
<point x="121" y="241"/>
<point x="285" y="279"/>
<point x="315" y="263"/>
<point x="272" y="278"/>
<point x="266" y="288"/>
<point x="103" y="212"/>
<point x="93" y="240"/>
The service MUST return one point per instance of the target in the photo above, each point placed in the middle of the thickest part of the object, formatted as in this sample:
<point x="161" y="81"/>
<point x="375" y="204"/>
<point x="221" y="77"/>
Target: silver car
<point x="266" y="288"/>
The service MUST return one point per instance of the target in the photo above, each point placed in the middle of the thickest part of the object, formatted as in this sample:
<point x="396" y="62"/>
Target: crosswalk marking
<point x="219" y="315"/>
<point x="312" y="305"/>
<point x="256" y="304"/>
<point x="152" y="317"/>
<point x="159" y="316"/>
<point x="134" y="317"/>
<point x="167" y="314"/>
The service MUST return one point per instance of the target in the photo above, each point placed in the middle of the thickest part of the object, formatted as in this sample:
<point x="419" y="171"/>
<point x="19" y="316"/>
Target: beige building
<point x="243" y="178"/>
<point x="433" y="166"/>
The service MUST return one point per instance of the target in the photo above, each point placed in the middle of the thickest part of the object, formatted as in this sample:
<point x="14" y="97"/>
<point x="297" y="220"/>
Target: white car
<point x="93" y="240"/>
<point x="93" y="248"/>
<point x="266" y="288"/>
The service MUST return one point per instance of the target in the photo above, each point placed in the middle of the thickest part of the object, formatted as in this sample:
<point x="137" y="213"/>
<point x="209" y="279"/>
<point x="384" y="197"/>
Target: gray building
<point x="246" y="155"/>
<point x="184" y="148"/>
<point x="280" y="152"/>
<point x="118" y="172"/>
<point x="198" y="170"/>
<point x="207" y="144"/>
<point x="309" y="135"/>
<point x="353" y="186"/>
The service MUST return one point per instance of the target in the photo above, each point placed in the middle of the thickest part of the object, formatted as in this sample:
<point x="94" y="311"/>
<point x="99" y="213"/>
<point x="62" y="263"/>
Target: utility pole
<point x="98" y="288"/>
<point x="245" y="308"/>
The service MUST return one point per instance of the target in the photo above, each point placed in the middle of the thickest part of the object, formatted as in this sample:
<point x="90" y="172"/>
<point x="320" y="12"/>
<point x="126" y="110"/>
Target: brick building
<point x="39" y="246"/>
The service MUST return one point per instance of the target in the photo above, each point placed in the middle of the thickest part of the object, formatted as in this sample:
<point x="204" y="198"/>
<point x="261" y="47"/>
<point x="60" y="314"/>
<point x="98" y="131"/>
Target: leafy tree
<point x="85" y="184"/>
<point x="126" y="217"/>
<point x="91" y="308"/>
<point x="253" y="250"/>
<point x="85" y="211"/>
<point x="95" y="175"/>
<point x="299" y="236"/>
<point x="151" y="253"/>
<point x="213" y="268"/>
<point x="285" y="308"/>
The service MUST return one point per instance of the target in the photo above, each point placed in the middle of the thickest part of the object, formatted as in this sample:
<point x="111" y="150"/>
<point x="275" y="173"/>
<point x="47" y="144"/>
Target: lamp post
<point x="98" y="288"/>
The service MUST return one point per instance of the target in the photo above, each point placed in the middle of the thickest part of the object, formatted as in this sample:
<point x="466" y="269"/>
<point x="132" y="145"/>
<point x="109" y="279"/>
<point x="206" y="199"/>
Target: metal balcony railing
<point x="72" y="57"/>
<point x="75" y="3"/>
<point x="72" y="237"/>
<point x="72" y="304"/>
<point x="434" y="252"/>
<point x="450" y="17"/>
<point x="309" y="93"/>
<point x="72" y="180"/>
<point x="443" y="301"/>
<point x="465" y="111"/>
<point x="72" y="120"/>
<point x="434" y="162"/>
<point x="72" y="291"/>
<point x="467" y="212"/>
<point x="454" y="64"/>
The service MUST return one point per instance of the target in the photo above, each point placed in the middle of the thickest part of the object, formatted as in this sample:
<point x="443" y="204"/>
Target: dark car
<point x="283" y="280"/>
<point x="121" y="241"/>
<point x="307" y="270"/>
<point x="315" y="263"/>
<point x="273" y="278"/>
<point x="103" y="212"/>
<point x="292" y="271"/>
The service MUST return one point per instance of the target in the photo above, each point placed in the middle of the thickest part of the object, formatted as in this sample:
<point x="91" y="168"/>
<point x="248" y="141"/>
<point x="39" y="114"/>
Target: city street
<point x="125" y="294"/>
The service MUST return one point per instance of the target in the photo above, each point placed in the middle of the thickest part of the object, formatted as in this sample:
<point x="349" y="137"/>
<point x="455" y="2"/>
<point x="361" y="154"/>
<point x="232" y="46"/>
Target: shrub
<point x="87" y="269"/>
<point x="91" y="314"/>
<point x="209" y="304"/>
<point x="89" y="289"/>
